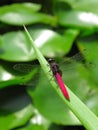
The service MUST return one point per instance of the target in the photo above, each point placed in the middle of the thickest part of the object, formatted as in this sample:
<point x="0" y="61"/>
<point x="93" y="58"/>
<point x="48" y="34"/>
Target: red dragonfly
<point x="58" y="75"/>
<point x="55" y="69"/>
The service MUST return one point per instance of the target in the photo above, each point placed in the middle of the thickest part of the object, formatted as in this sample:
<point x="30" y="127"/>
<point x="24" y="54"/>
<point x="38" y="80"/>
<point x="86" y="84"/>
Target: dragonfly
<point x="56" y="69"/>
<point x="58" y="75"/>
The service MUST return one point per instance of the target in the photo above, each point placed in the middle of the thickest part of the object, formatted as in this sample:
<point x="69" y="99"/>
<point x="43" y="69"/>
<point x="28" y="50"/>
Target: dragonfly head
<point x="50" y="60"/>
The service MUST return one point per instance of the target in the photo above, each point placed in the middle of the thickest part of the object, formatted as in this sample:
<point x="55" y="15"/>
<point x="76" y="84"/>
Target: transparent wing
<point x="25" y="68"/>
<point x="70" y="75"/>
<point x="77" y="57"/>
<point x="80" y="58"/>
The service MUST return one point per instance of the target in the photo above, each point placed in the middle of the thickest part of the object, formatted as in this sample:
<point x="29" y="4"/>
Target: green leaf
<point x="45" y="98"/>
<point x="78" y="19"/>
<point x="92" y="47"/>
<point x="20" y="14"/>
<point x="17" y="111"/>
<point x="52" y="43"/>
<point x="18" y="42"/>
<point x="10" y="76"/>
<point x="86" y="116"/>
<point x="81" y="5"/>
<point x="69" y="17"/>
<point x="86" y="5"/>
<point x="15" y="108"/>
<point x="37" y="122"/>
<point x="31" y="7"/>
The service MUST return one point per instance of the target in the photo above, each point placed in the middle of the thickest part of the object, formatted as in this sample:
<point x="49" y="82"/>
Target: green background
<point x="60" y="29"/>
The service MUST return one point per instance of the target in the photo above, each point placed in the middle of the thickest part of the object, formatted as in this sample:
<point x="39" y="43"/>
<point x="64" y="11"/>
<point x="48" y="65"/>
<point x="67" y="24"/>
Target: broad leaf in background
<point x="25" y="13"/>
<point x="10" y="77"/>
<point x="19" y="49"/>
<point x="75" y="18"/>
<point x="84" y="5"/>
<point x="15" y="108"/>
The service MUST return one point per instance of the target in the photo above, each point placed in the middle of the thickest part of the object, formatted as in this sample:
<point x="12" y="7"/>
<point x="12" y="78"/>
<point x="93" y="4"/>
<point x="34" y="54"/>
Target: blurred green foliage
<point x="58" y="28"/>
